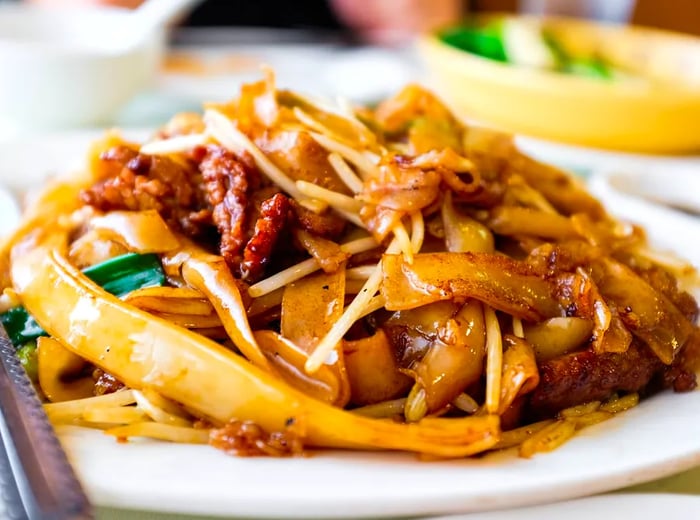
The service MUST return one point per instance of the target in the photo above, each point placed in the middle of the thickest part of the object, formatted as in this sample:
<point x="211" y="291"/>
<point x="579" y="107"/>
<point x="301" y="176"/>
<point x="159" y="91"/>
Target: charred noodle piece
<point x="647" y="313"/>
<point x="503" y="283"/>
<point x="208" y="378"/>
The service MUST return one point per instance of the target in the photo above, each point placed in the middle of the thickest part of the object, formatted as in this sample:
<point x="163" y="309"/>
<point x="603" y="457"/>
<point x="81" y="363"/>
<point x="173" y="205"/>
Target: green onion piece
<point x="485" y="41"/>
<point x="20" y="326"/>
<point x="27" y="357"/>
<point x="119" y="276"/>
<point x="122" y="274"/>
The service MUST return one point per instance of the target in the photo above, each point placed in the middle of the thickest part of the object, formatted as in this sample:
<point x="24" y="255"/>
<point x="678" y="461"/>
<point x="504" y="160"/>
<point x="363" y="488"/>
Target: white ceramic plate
<point x="658" y="438"/>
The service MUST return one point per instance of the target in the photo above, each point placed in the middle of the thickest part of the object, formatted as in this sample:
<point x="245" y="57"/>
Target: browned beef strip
<point x="586" y="376"/>
<point x="134" y="181"/>
<point x="274" y="216"/>
<point x="228" y="183"/>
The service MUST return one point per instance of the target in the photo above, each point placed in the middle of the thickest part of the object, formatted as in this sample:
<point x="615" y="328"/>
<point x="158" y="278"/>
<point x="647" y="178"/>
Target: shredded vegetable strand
<point x="367" y="168"/>
<point x="383" y="409"/>
<point x="67" y="411"/>
<point x="333" y="198"/>
<point x="350" y="315"/>
<point x="375" y="304"/>
<point x="224" y="131"/>
<point x="345" y="173"/>
<point x="156" y="413"/>
<point x="114" y="415"/>
<point x="161" y="431"/>
<point x="341" y="111"/>
<point x="494" y="360"/>
<point x="404" y="241"/>
<point x="465" y="403"/>
<point x="302" y="269"/>
<point x="351" y="217"/>
<point x="417" y="231"/>
<point x="518" y="327"/>
<point x="416" y="404"/>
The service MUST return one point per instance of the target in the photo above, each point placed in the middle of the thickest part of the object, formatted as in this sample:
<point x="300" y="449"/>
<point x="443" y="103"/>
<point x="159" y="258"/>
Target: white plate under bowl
<point x="659" y="437"/>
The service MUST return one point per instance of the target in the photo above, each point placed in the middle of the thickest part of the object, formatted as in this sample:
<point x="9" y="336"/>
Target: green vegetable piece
<point x="584" y="66"/>
<point x="20" y="326"/>
<point x="27" y="355"/>
<point x="123" y="274"/>
<point x="485" y="41"/>
<point x="118" y="276"/>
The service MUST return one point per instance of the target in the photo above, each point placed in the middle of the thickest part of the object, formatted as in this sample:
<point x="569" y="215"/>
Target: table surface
<point x="211" y="64"/>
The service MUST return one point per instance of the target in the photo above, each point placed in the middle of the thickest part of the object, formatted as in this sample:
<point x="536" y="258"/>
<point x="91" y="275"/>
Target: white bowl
<point x="68" y="67"/>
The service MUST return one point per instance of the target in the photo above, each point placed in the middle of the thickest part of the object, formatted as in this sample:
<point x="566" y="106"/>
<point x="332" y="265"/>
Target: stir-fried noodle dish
<point x="280" y="274"/>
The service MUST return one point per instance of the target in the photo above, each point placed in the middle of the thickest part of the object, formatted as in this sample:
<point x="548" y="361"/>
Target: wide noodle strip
<point x="207" y="377"/>
<point x="280" y="272"/>
<point x="503" y="283"/>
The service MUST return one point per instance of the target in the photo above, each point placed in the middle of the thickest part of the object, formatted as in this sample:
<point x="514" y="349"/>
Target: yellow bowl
<point x="656" y="110"/>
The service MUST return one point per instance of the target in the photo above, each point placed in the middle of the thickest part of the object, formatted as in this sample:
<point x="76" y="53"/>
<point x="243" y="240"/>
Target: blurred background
<point x="80" y="69"/>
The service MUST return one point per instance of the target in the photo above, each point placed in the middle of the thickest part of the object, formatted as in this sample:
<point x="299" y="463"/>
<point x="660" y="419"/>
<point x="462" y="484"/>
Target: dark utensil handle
<point x="47" y="484"/>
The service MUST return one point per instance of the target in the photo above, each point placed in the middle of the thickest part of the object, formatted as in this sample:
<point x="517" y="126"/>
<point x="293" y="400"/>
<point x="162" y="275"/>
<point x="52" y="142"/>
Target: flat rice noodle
<point x="299" y="156"/>
<point x="310" y="307"/>
<point x="61" y="372"/>
<point x="91" y="249"/>
<point x="401" y="187"/>
<point x="257" y="105"/>
<point x="581" y="293"/>
<point x="206" y="377"/>
<point x="617" y="337"/>
<point x="211" y="276"/>
<point x="380" y="221"/>
<point x="288" y="360"/>
<point x="140" y="231"/>
<point x="373" y="371"/>
<point x="506" y="284"/>
<point x="412" y="103"/>
<point x="174" y="300"/>
<point x="191" y="321"/>
<point x="456" y="360"/>
<point x="561" y="189"/>
<point x="463" y="233"/>
<point x="513" y="220"/>
<point x="413" y="331"/>
<point x="520" y="374"/>
<point x="648" y="314"/>
<point x="557" y="336"/>
<point x="327" y="253"/>
<point x="426" y="134"/>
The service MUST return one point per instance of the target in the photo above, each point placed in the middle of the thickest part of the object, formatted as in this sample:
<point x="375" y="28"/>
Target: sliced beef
<point x="274" y="216"/>
<point x="586" y="376"/>
<point x="229" y="184"/>
<point x="135" y="182"/>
